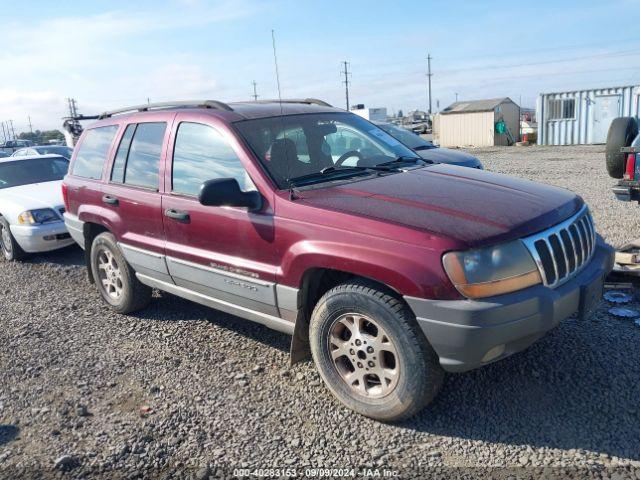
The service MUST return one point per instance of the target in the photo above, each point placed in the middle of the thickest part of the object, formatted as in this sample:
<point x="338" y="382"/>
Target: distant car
<point x="31" y="205"/>
<point x="428" y="150"/>
<point x="4" y="154"/>
<point x="61" y="150"/>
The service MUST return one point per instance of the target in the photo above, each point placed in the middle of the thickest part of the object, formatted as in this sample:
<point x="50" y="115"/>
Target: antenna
<point x="284" y="132"/>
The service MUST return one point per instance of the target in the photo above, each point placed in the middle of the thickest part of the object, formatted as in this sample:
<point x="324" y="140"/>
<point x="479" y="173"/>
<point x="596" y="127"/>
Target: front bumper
<point x="468" y="334"/>
<point x="41" y="238"/>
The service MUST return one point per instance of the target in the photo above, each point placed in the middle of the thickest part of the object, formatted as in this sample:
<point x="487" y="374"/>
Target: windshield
<point x="38" y="170"/>
<point x="296" y="146"/>
<point x="55" y="149"/>
<point x="410" y="139"/>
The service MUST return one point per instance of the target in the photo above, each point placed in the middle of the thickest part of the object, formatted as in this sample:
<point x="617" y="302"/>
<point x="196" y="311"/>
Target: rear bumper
<point x="468" y="334"/>
<point x="41" y="238"/>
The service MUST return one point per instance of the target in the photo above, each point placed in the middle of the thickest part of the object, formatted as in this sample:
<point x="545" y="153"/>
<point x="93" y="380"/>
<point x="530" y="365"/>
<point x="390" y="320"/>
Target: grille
<point x="563" y="250"/>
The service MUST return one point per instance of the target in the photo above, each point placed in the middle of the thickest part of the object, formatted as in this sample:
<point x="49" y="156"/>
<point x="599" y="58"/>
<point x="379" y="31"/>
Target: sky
<point x="109" y="54"/>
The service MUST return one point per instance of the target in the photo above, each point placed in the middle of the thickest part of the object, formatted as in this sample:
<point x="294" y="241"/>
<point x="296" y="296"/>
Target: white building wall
<point x="466" y="129"/>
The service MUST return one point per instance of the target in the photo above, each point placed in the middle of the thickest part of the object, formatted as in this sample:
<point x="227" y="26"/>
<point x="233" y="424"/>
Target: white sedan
<point x="31" y="205"/>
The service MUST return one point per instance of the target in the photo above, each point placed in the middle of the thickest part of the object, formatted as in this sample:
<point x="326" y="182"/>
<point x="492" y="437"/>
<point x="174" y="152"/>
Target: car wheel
<point x="10" y="248"/>
<point x="114" y="277"/>
<point x="621" y="133"/>
<point x="371" y="352"/>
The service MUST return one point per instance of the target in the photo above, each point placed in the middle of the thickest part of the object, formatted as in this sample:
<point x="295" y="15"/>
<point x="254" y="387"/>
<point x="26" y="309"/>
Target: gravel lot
<point x="181" y="391"/>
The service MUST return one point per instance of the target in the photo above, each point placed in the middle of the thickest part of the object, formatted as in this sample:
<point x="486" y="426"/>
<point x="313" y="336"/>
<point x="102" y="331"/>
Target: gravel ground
<point x="182" y="391"/>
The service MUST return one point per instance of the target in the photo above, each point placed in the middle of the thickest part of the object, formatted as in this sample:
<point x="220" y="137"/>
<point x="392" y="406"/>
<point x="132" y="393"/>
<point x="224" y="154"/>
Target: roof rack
<point x="156" y="106"/>
<point x="308" y="101"/>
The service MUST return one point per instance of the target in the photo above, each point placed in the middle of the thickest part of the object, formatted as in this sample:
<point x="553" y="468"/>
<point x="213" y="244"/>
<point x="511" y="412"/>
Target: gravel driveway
<point x="182" y="391"/>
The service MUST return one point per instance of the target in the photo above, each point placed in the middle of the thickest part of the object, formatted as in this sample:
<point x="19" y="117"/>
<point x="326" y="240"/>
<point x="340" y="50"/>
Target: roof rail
<point x="156" y="106"/>
<point x="308" y="101"/>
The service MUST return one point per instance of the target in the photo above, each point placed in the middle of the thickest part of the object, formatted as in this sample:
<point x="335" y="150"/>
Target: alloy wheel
<point x="364" y="355"/>
<point x="5" y="240"/>
<point x="110" y="275"/>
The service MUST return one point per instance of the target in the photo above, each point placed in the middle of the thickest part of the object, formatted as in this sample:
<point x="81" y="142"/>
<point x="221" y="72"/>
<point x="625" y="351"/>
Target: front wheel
<point x="372" y="354"/>
<point x="8" y="245"/>
<point x="114" y="277"/>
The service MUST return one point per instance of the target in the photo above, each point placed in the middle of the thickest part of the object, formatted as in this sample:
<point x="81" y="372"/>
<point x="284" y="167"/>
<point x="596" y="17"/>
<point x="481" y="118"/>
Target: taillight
<point x="65" y="197"/>
<point x="630" y="171"/>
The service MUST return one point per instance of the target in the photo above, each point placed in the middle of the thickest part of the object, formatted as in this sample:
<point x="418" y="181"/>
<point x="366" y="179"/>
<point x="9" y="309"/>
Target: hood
<point x="471" y="206"/>
<point x="16" y="200"/>
<point x="453" y="157"/>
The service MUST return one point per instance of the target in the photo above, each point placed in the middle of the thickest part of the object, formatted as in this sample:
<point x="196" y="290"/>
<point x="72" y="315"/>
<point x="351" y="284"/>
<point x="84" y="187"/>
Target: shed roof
<point x="475" y="105"/>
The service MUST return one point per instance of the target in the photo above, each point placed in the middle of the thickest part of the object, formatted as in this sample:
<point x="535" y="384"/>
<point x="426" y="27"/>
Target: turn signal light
<point x="630" y="171"/>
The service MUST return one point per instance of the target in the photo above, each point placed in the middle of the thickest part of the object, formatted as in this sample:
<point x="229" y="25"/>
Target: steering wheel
<point x="349" y="154"/>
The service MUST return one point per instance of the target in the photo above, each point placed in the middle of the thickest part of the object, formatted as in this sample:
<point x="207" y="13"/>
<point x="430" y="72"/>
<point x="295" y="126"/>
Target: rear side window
<point x="137" y="161"/>
<point x="202" y="154"/>
<point x="93" y="151"/>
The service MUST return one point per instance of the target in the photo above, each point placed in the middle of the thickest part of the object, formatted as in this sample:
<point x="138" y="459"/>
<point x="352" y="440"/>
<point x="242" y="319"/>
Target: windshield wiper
<point x="331" y="171"/>
<point x="403" y="159"/>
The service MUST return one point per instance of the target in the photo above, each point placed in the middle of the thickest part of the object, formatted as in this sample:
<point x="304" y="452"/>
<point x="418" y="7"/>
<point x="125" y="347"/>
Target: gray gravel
<point x="182" y="391"/>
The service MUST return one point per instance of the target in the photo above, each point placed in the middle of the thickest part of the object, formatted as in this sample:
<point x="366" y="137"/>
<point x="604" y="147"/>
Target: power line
<point x="346" y="81"/>
<point x="255" y="91"/>
<point x="429" y="75"/>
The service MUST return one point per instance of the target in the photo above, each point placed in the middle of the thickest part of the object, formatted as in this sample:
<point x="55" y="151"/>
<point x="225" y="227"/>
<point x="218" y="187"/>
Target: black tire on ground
<point x="621" y="133"/>
<point x="418" y="376"/>
<point x="133" y="295"/>
<point x="8" y="245"/>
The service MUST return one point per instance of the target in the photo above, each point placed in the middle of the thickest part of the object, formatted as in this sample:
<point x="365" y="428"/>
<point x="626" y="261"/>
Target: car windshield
<point x="55" y="149"/>
<point x="410" y="139"/>
<point x="313" y="148"/>
<point x="38" y="170"/>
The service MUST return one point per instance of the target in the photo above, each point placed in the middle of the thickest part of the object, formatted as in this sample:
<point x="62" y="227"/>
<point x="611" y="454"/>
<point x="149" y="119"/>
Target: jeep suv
<point x="389" y="270"/>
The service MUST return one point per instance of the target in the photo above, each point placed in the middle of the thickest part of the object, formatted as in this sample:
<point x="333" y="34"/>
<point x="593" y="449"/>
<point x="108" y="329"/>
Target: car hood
<point x="16" y="200"/>
<point x="453" y="157"/>
<point x="473" y="207"/>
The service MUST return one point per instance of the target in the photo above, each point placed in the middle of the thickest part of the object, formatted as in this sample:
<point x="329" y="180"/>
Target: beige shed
<point x="474" y="123"/>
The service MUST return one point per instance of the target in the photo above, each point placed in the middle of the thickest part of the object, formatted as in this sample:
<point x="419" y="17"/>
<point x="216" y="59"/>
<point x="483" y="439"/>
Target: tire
<point x="621" y="133"/>
<point x="115" y="279"/>
<point x="409" y="365"/>
<point x="8" y="245"/>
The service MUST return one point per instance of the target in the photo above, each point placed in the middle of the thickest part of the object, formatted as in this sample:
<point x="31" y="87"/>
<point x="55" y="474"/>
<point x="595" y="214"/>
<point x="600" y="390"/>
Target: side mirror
<point x="226" y="192"/>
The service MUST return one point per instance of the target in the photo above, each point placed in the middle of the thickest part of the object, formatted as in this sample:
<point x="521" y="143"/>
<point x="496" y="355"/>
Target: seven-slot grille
<point x="563" y="250"/>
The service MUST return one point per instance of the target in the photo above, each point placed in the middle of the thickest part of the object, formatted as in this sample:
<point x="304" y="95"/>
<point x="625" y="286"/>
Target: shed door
<point x="605" y="109"/>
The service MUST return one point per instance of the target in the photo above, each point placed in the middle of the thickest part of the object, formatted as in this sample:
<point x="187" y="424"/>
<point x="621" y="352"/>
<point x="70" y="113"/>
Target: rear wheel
<point x="621" y="133"/>
<point x="372" y="354"/>
<point x="8" y="245"/>
<point x="115" y="279"/>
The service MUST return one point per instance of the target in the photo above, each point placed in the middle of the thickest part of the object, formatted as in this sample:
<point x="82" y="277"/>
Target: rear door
<point x="131" y="196"/>
<point x="223" y="252"/>
<point x="605" y="109"/>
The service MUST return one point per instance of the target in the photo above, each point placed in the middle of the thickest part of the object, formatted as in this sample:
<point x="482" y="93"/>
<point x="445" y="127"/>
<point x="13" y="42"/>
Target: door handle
<point x="177" y="215"/>
<point x="109" y="200"/>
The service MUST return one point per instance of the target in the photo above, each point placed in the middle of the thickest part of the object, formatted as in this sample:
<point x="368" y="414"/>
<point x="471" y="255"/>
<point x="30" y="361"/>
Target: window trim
<point x="173" y="152"/>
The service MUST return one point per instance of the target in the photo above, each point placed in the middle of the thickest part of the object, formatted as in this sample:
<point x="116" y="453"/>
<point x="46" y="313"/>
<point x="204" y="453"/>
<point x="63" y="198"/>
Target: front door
<point x="605" y="109"/>
<point x="226" y="253"/>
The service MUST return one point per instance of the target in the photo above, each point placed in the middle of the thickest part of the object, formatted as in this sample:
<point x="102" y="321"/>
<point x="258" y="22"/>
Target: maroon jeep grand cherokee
<point x="312" y="221"/>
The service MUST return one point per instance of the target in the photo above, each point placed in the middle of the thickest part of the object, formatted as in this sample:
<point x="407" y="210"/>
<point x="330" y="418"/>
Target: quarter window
<point x="201" y="154"/>
<point x="117" y="172"/>
<point x="93" y="151"/>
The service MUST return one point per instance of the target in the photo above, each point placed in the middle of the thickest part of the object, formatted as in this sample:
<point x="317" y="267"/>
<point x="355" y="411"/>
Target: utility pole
<point x="4" y="133"/>
<point x="30" y="126"/>
<point x="429" y="75"/>
<point x="13" y="131"/>
<point x="73" y="107"/>
<point x="346" y="81"/>
<point x="255" y="91"/>
<point x="456" y="96"/>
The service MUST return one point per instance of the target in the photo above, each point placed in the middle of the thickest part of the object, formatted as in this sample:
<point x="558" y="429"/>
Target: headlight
<point x="37" y="217"/>
<point x="491" y="271"/>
